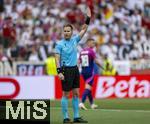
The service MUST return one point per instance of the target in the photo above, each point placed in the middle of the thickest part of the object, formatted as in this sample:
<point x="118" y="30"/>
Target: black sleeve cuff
<point x="87" y="21"/>
<point x="59" y="70"/>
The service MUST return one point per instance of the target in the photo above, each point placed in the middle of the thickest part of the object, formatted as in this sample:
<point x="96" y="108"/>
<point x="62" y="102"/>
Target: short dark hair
<point x="89" y="39"/>
<point x="68" y="25"/>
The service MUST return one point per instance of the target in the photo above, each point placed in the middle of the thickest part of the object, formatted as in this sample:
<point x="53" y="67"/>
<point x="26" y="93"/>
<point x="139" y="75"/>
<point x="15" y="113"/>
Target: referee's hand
<point x="61" y="76"/>
<point x="88" y="12"/>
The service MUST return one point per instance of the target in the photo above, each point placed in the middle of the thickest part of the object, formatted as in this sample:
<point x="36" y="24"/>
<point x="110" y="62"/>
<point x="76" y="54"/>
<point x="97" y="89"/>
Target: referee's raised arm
<point x="87" y="22"/>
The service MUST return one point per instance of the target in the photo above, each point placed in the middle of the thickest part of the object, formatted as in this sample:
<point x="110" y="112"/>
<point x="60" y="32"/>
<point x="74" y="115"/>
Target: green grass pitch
<point x="110" y="111"/>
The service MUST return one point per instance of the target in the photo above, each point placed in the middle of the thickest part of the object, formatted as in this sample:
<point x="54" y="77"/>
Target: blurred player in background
<point x="109" y="69"/>
<point x="50" y="65"/>
<point x="66" y="61"/>
<point x="87" y="59"/>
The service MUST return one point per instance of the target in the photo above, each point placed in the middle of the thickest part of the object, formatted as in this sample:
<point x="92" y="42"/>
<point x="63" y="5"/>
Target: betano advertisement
<point x="49" y="87"/>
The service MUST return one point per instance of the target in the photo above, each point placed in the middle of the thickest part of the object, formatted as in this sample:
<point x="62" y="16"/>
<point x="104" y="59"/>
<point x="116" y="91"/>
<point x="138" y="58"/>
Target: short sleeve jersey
<point x="67" y="49"/>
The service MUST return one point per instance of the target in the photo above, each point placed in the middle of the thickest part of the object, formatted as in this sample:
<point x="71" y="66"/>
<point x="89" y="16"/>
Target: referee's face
<point x="67" y="32"/>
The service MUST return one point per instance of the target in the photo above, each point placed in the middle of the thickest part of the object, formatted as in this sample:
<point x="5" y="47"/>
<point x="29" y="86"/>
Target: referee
<point x="66" y="61"/>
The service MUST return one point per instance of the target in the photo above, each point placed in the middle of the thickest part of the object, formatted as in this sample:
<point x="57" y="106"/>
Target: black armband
<point x="87" y="21"/>
<point x="59" y="70"/>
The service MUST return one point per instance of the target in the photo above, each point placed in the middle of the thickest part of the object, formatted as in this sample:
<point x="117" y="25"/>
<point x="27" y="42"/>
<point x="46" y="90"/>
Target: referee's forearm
<point x="83" y="31"/>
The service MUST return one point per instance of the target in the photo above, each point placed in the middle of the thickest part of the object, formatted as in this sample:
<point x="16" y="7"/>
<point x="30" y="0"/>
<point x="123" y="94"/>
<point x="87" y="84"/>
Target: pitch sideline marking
<point x="115" y="110"/>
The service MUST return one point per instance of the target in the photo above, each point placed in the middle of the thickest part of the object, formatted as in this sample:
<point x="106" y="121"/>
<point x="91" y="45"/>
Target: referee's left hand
<point x="88" y="12"/>
<point x="61" y="76"/>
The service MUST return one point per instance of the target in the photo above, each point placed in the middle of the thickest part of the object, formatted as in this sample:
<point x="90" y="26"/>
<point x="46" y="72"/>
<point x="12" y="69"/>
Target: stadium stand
<point x="120" y="28"/>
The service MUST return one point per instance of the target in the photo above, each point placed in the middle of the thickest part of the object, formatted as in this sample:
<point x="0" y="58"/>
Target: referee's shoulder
<point x="75" y="35"/>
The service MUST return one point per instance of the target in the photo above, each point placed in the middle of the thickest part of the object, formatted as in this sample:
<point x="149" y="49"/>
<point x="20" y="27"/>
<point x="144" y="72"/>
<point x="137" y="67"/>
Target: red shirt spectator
<point x="9" y="31"/>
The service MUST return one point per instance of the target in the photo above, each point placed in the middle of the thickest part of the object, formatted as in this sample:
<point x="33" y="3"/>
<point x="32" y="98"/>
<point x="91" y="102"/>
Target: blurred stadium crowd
<point x="29" y="29"/>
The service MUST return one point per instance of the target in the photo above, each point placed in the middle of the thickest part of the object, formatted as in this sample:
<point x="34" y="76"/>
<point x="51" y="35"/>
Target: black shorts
<point x="72" y="78"/>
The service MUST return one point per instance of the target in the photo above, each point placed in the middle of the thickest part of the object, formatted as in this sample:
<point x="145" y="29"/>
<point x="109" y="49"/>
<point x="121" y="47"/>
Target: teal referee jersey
<point x="67" y="49"/>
